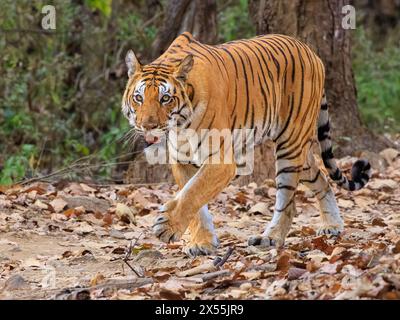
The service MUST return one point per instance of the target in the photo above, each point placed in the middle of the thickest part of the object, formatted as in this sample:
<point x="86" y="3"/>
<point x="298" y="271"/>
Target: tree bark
<point x="319" y="24"/>
<point x="199" y="17"/>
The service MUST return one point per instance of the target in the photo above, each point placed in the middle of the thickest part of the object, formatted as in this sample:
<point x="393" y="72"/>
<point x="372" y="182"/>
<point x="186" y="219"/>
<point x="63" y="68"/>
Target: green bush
<point x="377" y="75"/>
<point x="61" y="92"/>
<point x="234" y="22"/>
<point x="19" y="165"/>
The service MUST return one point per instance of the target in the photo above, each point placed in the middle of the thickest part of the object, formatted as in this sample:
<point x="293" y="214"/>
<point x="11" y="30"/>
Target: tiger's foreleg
<point x="179" y="213"/>
<point x="203" y="239"/>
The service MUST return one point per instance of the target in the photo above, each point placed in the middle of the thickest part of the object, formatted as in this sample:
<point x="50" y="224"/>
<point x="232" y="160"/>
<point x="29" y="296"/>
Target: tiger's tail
<point x="361" y="170"/>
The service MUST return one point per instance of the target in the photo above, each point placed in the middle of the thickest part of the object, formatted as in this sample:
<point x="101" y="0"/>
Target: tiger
<point x="273" y="84"/>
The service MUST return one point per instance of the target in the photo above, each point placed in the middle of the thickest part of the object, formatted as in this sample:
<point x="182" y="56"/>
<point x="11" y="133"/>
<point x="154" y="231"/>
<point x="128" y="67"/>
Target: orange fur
<point x="273" y="84"/>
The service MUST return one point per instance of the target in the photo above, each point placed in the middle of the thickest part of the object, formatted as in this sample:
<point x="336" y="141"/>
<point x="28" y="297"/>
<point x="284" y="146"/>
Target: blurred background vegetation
<point x="60" y="91"/>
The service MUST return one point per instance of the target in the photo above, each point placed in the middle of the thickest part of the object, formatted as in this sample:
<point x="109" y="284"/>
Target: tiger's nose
<point x="150" y="123"/>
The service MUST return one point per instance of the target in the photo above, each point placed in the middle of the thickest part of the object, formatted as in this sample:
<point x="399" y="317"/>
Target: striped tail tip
<point x="361" y="173"/>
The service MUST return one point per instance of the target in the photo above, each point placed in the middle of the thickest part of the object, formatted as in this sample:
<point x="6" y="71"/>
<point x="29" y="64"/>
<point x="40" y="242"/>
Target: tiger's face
<point x="155" y="98"/>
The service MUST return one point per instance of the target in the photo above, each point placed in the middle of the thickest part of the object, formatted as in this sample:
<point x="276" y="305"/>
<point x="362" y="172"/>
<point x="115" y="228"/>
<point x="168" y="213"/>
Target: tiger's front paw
<point x="265" y="241"/>
<point x="165" y="230"/>
<point x="205" y="249"/>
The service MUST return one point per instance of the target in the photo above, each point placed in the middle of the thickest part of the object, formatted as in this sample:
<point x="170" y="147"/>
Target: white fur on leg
<point x="332" y="222"/>
<point x="201" y="243"/>
<point x="280" y="225"/>
<point x="207" y="222"/>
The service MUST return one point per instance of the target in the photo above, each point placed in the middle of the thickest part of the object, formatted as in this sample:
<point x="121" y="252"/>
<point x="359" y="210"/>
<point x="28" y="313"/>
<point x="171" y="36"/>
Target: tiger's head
<point x="156" y="97"/>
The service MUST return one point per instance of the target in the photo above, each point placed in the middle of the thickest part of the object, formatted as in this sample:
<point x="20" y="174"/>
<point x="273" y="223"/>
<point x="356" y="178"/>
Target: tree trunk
<point x="319" y="24"/>
<point x="199" y="17"/>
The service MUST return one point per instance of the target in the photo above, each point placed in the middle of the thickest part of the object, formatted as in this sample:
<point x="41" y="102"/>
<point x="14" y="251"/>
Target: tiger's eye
<point x="165" y="98"/>
<point x="138" y="98"/>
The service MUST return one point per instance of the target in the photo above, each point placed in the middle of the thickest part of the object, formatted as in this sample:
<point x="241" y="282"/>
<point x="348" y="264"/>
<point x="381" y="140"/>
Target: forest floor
<point x="68" y="241"/>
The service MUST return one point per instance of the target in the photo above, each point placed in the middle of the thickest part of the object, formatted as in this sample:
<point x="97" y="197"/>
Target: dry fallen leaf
<point x="125" y="212"/>
<point x="39" y="204"/>
<point x="87" y="188"/>
<point x="260" y="208"/>
<point x="381" y="184"/>
<point x="389" y="154"/>
<point x="283" y="263"/>
<point x="58" y="204"/>
<point x="171" y="295"/>
<point x="345" y="203"/>
<point x="320" y="243"/>
<point x="91" y="246"/>
<point x="295" y="273"/>
<point x="97" y="279"/>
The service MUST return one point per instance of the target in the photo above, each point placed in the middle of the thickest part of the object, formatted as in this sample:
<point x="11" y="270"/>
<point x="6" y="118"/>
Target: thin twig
<point x="151" y="20"/>
<point x="220" y="263"/>
<point x="40" y="156"/>
<point x="128" y="254"/>
<point x="76" y="165"/>
<point x="133" y="269"/>
<point x="43" y="31"/>
<point x="134" y="185"/>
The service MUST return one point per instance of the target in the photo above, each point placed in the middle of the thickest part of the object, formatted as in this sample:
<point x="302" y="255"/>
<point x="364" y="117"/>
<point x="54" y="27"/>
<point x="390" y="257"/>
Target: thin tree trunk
<point x="199" y="17"/>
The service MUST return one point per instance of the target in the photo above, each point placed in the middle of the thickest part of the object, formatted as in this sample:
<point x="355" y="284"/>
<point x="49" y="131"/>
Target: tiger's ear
<point x="132" y="63"/>
<point x="184" y="68"/>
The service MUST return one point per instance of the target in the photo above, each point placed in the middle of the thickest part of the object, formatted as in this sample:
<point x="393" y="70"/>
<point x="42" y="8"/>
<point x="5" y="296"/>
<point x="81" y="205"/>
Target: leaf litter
<point x="81" y="241"/>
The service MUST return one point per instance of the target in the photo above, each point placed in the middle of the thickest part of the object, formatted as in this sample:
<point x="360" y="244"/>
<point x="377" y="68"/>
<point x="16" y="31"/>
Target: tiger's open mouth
<point x="151" y="139"/>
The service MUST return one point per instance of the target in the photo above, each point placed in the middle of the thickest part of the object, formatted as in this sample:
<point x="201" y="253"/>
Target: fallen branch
<point x="212" y="275"/>
<point x="123" y="284"/>
<point x="206" y="267"/>
<point x="84" y="293"/>
<point x="212" y="268"/>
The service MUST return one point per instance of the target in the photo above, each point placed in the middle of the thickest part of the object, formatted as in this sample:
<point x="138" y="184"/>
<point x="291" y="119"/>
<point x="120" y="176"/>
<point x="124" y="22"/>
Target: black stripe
<point x="327" y="154"/>
<point x="292" y="169"/>
<point x="312" y="180"/>
<point x="237" y="77"/>
<point x="187" y="37"/>
<point x="288" y="118"/>
<point x="284" y="208"/>
<point x="337" y="175"/>
<point x="323" y="131"/>
<point x="287" y="187"/>
<point x="247" y="87"/>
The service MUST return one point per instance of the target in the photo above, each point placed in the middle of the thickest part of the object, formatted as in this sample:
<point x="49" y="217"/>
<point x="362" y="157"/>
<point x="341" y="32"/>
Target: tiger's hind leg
<point x="317" y="182"/>
<point x="287" y="179"/>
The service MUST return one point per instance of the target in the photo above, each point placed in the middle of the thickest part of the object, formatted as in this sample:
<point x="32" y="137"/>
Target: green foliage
<point x="133" y="25"/>
<point x="377" y="75"/>
<point x="55" y="92"/>
<point x="104" y="6"/>
<point x="60" y="92"/>
<point x="234" y="22"/>
<point x="17" y="166"/>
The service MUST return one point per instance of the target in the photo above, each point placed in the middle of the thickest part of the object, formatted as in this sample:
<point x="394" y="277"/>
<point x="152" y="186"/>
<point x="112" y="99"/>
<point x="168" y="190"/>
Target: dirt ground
<point x="68" y="240"/>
